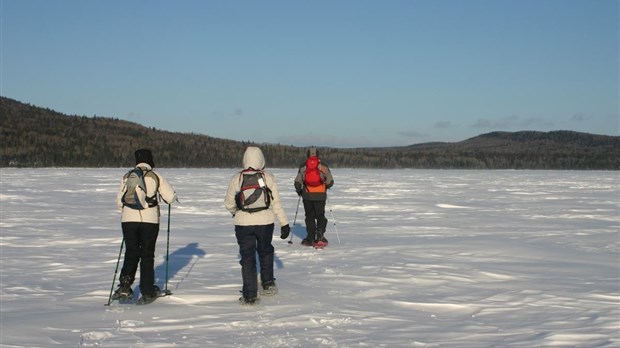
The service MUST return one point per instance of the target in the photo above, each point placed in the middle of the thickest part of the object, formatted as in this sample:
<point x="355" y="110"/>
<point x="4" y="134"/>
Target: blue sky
<point x="342" y="73"/>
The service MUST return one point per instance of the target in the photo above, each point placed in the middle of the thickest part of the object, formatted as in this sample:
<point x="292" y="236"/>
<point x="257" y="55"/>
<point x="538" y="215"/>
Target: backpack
<point x="313" y="176"/>
<point x="134" y="195"/>
<point x="253" y="195"/>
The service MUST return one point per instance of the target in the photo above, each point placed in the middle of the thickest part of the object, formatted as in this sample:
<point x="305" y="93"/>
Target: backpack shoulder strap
<point x="155" y="177"/>
<point x="129" y="173"/>
<point x="152" y="199"/>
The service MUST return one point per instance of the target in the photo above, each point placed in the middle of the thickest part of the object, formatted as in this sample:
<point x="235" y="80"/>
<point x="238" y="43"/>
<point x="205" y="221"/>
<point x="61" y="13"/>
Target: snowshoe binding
<point x="124" y="292"/>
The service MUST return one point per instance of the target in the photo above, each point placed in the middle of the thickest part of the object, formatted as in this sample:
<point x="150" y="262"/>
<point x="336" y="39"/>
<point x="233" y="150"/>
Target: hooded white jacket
<point x="148" y="215"/>
<point x="253" y="158"/>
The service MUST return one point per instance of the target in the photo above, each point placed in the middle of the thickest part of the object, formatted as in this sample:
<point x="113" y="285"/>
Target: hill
<point x="39" y="137"/>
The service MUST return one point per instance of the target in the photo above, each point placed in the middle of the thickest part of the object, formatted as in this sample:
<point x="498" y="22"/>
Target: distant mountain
<point x="39" y="137"/>
<point x="543" y="150"/>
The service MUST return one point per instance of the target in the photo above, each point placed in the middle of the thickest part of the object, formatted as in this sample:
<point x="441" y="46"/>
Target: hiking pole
<point x="295" y="220"/>
<point x="115" y="272"/>
<point x="166" y="291"/>
<point x="334" y="220"/>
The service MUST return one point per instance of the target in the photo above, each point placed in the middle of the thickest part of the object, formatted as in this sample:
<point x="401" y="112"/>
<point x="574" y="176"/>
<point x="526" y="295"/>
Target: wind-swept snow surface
<point x="417" y="258"/>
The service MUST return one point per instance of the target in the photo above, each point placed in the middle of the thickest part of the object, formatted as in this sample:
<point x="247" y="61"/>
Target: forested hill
<point x="39" y="137"/>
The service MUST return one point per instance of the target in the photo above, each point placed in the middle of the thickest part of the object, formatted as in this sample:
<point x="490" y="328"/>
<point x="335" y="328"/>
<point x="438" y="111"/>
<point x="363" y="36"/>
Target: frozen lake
<point x="417" y="258"/>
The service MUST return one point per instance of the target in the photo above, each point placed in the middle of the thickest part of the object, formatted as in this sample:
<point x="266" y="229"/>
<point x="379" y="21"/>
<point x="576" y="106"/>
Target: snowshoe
<point x="248" y="301"/>
<point x="307" y="242"/>
<point x="269" y="289"/>
<point x="149" y="298"/>
<point x="321" y="243"/>
<point x="123" y="294"/>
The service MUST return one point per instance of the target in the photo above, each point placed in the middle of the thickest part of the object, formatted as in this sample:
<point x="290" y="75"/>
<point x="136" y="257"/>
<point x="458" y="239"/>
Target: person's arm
<point x="299" y="182"/>
<point x="329" y="179"/>
<point x="229" y="201"/>
<point x="166" y="191"/>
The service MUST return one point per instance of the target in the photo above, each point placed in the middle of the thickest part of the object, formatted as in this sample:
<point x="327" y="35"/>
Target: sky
<point x="345" y="73"/>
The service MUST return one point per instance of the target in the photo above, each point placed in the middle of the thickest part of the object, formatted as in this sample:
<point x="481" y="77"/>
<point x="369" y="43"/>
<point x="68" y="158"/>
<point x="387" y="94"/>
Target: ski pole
<point x="115" y="272"/>
<point x="295" y="220"/>
<point x="166" y="291"/>
<point x="334" y="220"/>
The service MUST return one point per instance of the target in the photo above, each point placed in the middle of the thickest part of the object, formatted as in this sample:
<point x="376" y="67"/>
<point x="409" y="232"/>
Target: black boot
<point x="150" y="297"/>
<point x="321" y="241"/>
<point x="310" y="238"/>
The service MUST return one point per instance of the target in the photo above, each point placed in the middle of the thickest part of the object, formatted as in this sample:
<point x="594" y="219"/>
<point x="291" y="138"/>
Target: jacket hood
<point x="253" y="158"/>
<point x="313" y="151"/>
<point x="144" y="166"/>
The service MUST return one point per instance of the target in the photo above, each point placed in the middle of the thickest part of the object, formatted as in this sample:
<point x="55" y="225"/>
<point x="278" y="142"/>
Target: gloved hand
<point x="299" y="192"/>
<point x="285" y="231"/>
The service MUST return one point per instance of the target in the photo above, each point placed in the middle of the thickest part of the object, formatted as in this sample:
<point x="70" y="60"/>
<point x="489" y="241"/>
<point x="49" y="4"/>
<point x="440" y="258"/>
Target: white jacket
<point x="254" y="158"/>
<point x="149" y="215"/>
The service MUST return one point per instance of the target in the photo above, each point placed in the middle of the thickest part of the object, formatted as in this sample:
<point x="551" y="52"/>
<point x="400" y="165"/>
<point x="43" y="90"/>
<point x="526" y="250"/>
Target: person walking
<point x="311" y="183"/>
<point x="140" y="217"/>
<point x="254" y="201"/>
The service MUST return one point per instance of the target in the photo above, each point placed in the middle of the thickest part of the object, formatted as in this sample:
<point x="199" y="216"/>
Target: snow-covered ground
<point x="417" y="258"/>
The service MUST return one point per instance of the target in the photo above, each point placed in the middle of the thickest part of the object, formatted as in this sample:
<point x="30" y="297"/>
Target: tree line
<point x="39" y="137"/>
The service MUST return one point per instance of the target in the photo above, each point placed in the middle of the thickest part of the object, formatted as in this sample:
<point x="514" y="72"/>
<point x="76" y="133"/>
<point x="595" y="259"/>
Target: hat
<point x="144" y="156"/>
<point x="313" y="151"/>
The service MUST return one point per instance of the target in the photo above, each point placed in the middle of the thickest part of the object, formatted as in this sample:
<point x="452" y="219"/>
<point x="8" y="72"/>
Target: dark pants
<point x="315" y="218"/>
<point x="252" y="239"/>
<point x="140" y="240"/>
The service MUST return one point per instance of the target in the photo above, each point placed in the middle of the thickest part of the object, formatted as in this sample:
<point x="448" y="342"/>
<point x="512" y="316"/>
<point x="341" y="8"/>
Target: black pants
<point x="315" y="218"/>
<point x="252" y="239"/>
<point x="140" y="240"/>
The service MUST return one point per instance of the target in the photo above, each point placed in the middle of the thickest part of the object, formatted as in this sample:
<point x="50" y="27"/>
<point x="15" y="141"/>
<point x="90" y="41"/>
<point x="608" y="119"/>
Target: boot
<point x="321" y="241"/>
<point x="310" y="239"/>
<point x="148" y="298"/>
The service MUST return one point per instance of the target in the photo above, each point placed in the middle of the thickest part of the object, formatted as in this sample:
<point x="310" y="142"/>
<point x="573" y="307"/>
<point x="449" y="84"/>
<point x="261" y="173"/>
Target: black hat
<point x="144" y="156"/>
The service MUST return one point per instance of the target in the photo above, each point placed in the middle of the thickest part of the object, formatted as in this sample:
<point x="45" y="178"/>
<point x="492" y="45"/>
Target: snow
<point x="417" y="258"/>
